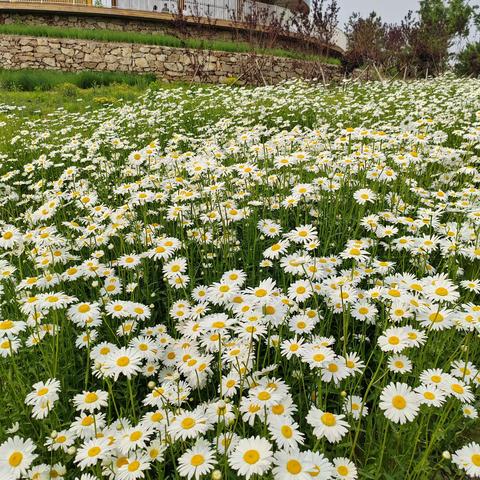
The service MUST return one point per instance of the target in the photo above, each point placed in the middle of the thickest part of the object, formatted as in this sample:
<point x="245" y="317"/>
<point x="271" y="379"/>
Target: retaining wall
<point x="169" y="64"/>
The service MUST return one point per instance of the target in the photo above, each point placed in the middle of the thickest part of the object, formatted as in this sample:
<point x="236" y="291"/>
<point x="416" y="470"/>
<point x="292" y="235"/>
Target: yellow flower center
<point x="123" y="361"/>
<point x="287" y="432"/>
<point x="134" y="436"/>
<point x="197" y="460"/>
<point x="399" y="402"/>
<point x="15" y="459"/>
<point x="264" y="396"/>
<point x="134" y="466"/>
<point x="87" y="421"/>
<point x="328" y="419"/>
<point x="342" y="470"/>
<point x="251" y="457"/>
<point x="319" y="357"/>
<point x="94" y="451"/>
<point x="278" y="409"/>
<point x="457" y="388"/>
<point x="436" y="317"/>
<point x="476" y="459"/>
<point x="91" y="397"/>
<point x="443" y="292"/>
<point x="294" y="467"/>
<point x="188" y="423"/>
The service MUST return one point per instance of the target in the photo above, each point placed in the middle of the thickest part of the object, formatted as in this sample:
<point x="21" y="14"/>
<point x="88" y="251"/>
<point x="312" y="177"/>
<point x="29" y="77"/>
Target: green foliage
<point x="469" y="60"/>
<point x="44" y="80"/>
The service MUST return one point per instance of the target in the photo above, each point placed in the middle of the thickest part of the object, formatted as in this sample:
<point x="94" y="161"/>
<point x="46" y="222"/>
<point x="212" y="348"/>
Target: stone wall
<point x="98" y="22"/>
<point x="166" y="63"/>
<point x="211" y="30"/>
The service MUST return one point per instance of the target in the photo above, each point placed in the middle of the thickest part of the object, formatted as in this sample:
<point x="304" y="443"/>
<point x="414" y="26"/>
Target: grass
<point x="156" y="39"/>
<point x="318" y="218"/>
<point x="45" y="80"/>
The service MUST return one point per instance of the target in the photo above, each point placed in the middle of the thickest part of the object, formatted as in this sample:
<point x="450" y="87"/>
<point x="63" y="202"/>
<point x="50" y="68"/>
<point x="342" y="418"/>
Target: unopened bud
<point x="151" y="385"/>
<point x="216" y="475"/>
<point x="446" y="455"/>
<point x="71" y="450"/>
<point x="53" y="434"/>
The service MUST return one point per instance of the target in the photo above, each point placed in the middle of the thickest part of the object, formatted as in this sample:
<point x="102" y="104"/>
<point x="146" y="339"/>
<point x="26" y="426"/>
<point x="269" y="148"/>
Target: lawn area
<point x="226" y="282"/>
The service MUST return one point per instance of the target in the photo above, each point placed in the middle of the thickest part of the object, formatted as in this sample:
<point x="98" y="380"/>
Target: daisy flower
<point x="431" y="395"/>
<point x="399" y="402"/>
<point x="354" y="406"/>
<point x="285" y="432"/>
<point x="16" y="456"/>
<point x="196" y="461"/>
<point x="468" y="458"/>
<point x="133" y="467"/>
<point x="344" y="469"/>
<point x="328" y="425"/>
<point x="251" y="456"/>
<point x="292" y="465"/>
<point x="364" y="195"/>
<point x="92" y="451"/>
<point x="393" y="340"/>
<point x="399" y="364"/>
<point x="188" y="425"/>
<point x="90" y="401"/>
<point x="122" y="361"/>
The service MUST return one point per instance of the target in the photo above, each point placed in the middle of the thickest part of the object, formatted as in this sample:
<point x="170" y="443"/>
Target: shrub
<point x="469" y="60"/>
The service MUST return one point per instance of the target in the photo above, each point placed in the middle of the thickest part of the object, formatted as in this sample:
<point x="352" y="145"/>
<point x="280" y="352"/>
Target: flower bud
<point x="216" y="475"/>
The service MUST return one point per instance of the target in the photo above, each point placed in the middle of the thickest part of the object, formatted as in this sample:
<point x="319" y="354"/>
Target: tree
<point x="325" y="21"/>
<point x="366" y="41"/>
<point x="439" y="23"/>
<point x="418" y="45"/>
<point x="468" y="62"/>
<point x="318" y="26"/>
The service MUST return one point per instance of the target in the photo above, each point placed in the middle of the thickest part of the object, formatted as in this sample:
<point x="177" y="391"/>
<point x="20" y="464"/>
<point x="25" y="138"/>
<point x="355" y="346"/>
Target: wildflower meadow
<point x="217" y="282"/>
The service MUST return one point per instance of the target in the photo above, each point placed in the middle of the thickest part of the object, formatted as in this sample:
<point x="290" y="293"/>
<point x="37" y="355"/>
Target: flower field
<point x="217" y="282"/>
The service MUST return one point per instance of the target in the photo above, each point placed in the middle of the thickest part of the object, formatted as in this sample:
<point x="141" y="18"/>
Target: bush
<point x="469" y="60"/>
<point x="44" y="80"/>
<point x="68" y="90"/>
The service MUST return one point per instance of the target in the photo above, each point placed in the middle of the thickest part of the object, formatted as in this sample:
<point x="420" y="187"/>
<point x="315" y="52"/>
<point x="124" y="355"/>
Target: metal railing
<point x="57" y="2"/>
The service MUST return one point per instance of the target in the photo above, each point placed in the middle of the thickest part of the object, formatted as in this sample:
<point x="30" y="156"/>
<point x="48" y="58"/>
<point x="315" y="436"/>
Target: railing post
<point x="239" y="14"/>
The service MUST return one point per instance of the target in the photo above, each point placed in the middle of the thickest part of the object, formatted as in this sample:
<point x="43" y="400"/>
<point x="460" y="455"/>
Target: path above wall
<point x="169" y="64"/>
